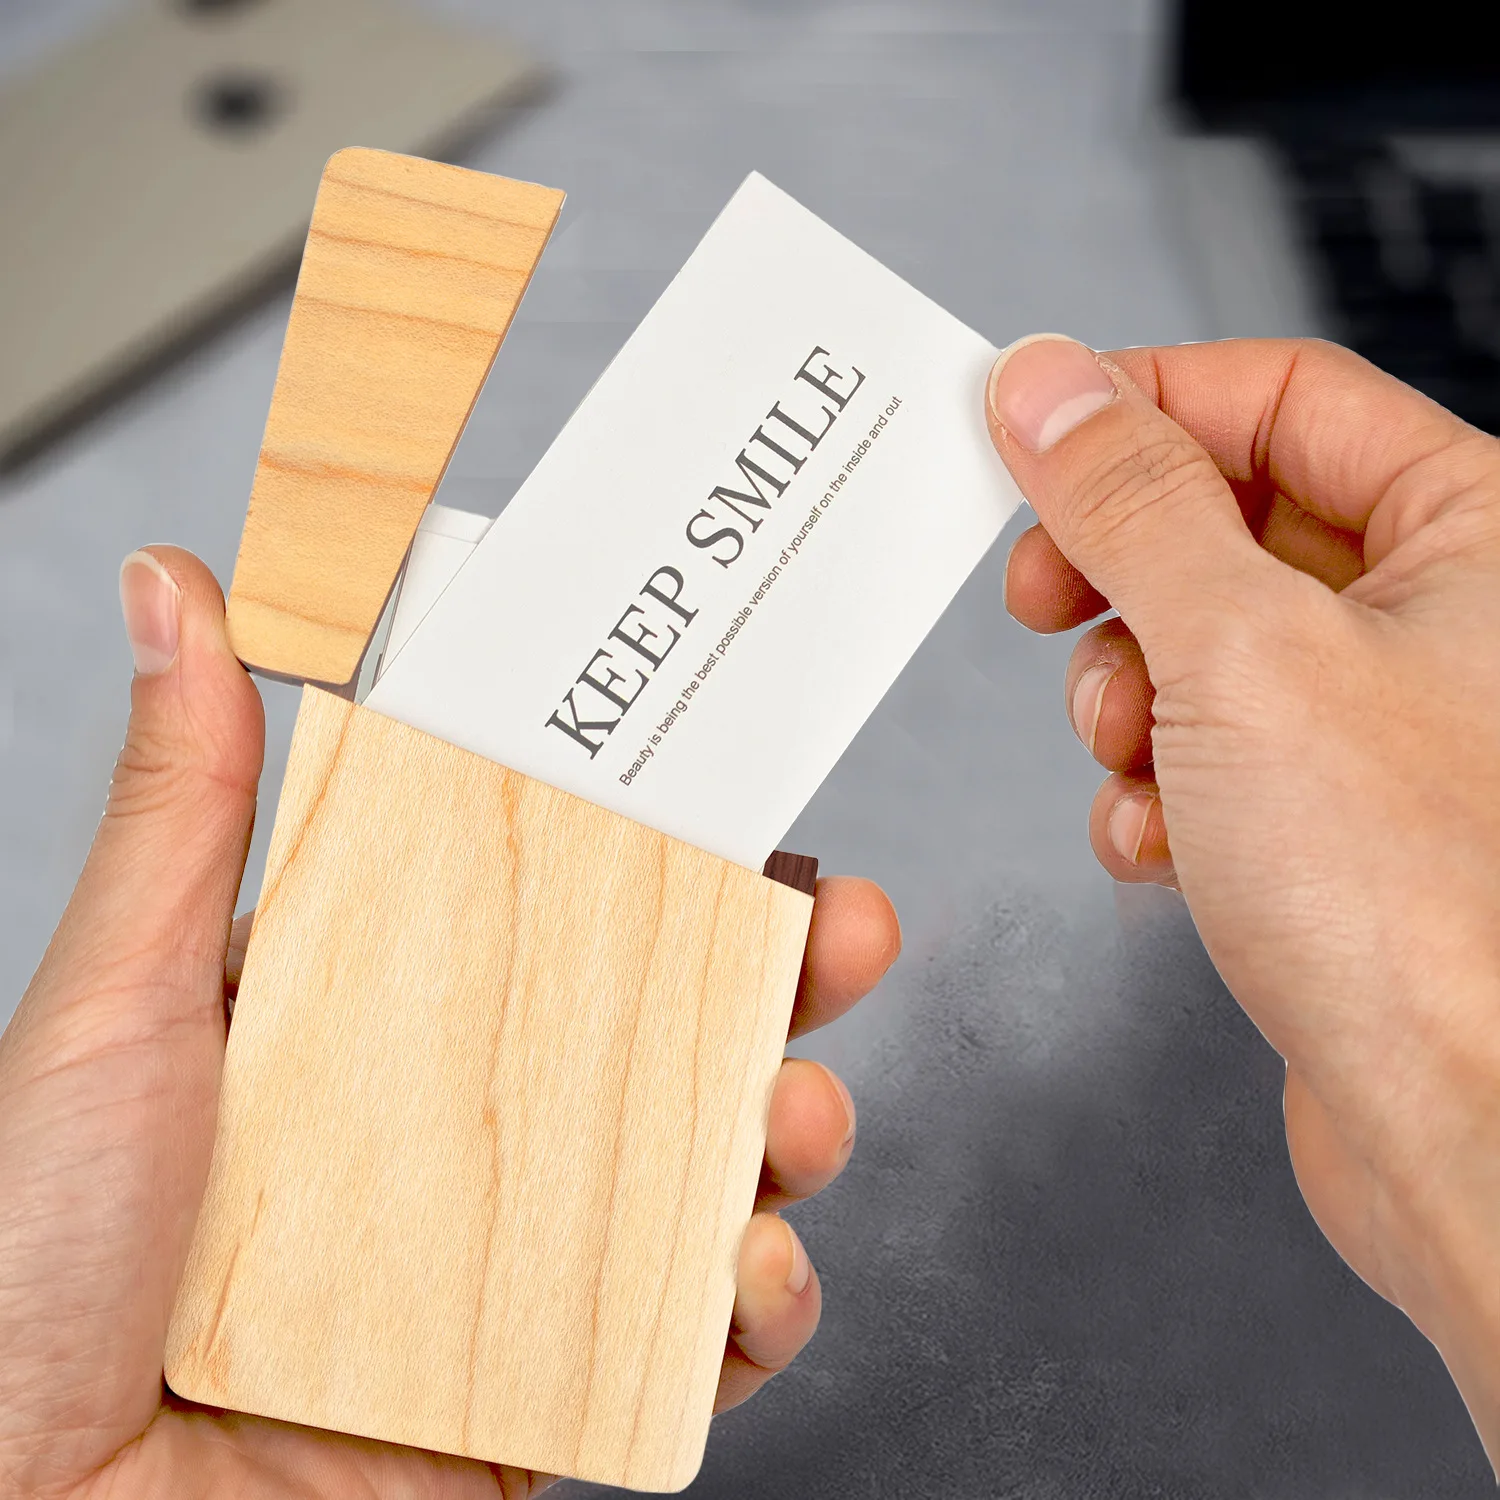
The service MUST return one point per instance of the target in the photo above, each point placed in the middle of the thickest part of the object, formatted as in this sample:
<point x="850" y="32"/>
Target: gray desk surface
<point x="1068" y="1258"/>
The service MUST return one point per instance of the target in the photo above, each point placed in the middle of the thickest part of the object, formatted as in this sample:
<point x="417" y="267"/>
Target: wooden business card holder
<point x="495" y="1095"/>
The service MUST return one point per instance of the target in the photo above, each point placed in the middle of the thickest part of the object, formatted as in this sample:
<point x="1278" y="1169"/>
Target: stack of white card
<point x="731" y="550"/>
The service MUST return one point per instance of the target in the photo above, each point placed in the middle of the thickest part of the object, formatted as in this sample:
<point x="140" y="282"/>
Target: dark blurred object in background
<point x="1386" y="123"/>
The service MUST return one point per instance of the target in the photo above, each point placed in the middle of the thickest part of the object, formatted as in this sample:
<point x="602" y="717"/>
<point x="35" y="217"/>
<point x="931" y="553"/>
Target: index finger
<point x="853" y="940"/>
<point x="1314" y="422"/>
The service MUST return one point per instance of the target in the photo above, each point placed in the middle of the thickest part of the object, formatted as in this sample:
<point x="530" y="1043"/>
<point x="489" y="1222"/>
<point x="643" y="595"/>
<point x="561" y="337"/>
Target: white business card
<point x="731" y="550"/>
<point x="445" y="540"/>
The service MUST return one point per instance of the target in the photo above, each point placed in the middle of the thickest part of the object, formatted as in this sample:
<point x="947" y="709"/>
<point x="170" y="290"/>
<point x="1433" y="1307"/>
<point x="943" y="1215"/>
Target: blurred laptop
<point x="1345" y="180"/>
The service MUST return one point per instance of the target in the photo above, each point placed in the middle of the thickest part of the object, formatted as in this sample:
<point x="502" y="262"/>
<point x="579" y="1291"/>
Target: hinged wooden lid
<point x="411" y="275"/>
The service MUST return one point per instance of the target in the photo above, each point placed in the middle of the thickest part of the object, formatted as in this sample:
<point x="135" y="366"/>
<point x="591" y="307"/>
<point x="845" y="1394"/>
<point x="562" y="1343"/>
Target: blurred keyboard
<point x="1407" y="252"/>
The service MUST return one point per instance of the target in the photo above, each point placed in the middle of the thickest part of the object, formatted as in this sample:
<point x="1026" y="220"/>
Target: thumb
<point x="153" y="905"/>
<point x="109" y="1072"/>
<point x="1136" y="505"/>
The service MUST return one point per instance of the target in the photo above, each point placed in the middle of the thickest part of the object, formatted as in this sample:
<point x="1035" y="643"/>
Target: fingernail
<point x="847" y="1100"/>
<point x="1044" y="386"/>
<point x="1088" y="699"/>
<point x="1127" y="825"/>
<point x="801" y="1271"/>
<point x="152" y="605"/>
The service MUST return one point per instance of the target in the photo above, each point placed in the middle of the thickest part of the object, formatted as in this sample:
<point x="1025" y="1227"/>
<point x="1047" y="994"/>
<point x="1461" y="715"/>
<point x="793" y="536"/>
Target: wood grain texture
<point x="411" y="275"/>
<point x="493" y="1114"/>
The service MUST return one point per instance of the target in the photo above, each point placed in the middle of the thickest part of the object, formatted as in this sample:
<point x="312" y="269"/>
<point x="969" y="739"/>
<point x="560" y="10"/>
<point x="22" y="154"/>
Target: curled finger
<point x="854" y="938"/>
<point x="1109" y="697"/>
<point x="1043" y="590"/>
<point x="776" y="1308"/>
<point x="1129" y="832"/>
<point x="810" y="1135"/>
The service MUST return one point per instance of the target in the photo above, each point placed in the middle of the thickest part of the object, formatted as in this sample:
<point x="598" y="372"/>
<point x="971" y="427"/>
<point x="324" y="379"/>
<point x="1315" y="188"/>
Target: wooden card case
<point x="493" y="1116"/>
<point x="495" y="1097"/>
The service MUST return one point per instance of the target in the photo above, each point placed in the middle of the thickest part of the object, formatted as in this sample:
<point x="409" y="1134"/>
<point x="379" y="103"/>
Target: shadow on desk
<point x="1069" y="1259"/>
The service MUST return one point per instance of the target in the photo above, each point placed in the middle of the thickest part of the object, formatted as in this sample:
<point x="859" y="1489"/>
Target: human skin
<point x="109" y="1080"/>
<point x="1298" y="704"/>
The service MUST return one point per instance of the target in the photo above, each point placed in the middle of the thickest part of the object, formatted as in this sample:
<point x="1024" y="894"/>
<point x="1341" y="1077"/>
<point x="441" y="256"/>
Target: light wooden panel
<point x="411" y="275"/>
<point x="493" y="1113"/>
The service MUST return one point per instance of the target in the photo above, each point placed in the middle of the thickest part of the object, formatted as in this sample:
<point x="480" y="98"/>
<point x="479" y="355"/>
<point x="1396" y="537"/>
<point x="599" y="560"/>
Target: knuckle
<point x="155" y="773"/>
<point x="1158" y="469"/>
<point x="144" y="774"/>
